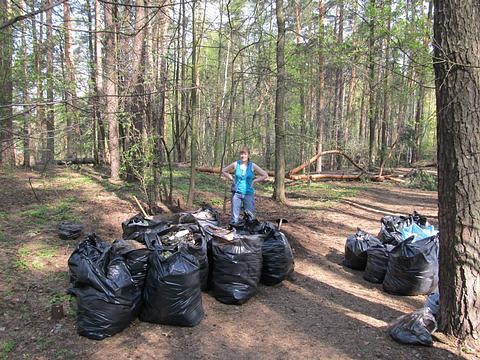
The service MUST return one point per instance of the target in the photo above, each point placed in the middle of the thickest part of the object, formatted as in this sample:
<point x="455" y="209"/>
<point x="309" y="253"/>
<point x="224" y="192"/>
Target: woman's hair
<point x="245" y="150"/>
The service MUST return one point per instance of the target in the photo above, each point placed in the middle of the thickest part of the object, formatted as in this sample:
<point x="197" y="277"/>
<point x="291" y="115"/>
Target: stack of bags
<point x="403" y="257"/>
<point x="159" y="268"/>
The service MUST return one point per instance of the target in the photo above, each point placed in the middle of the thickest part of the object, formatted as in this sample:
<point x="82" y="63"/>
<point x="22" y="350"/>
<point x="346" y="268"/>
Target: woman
<point x="243" y="180"/>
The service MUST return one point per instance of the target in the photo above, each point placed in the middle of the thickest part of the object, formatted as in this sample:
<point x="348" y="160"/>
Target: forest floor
<point x="326" y="311"/>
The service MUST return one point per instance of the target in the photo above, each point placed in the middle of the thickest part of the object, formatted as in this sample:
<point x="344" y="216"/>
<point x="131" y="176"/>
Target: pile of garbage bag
<point x="415" y="328"/>
<point x="159" y="268"/>
<point x="403" y="257"/>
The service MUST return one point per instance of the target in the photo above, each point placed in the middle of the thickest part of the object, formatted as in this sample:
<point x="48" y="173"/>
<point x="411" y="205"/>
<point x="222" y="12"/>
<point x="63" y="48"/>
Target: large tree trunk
<point x="339" y="95"/>
<point x="111" y="92"/>
<point x="279" y="188"/>
<point x="7" y="153"/>
<point x="321" y="80"/>
<point x="24" y="89"/>
<point x="70" y="92"/>
<point x="371" y="83"/>
<point x="193" y="109"/>
<point x="456" y="63"/>
<point x="386" y="96"/>
<point x="99" y="90"/>
<point x="38" y="141"/>
<point x="50" y="153"/>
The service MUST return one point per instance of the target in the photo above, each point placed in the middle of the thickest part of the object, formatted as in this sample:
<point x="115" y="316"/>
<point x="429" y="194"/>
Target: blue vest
<point x="243" y="180"/>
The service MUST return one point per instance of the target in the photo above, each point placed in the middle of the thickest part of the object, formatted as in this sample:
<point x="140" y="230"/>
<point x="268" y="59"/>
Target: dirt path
<point x="326" y="312"/>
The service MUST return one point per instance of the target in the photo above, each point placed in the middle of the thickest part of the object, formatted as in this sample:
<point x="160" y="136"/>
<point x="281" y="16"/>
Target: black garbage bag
<point x="139" y="224"/>
<point x="377" y="263"/>
<point x="356" y="248"/>
<point x="415" y="328"/>
<point x="172" y="293"/>
<point x="237" y="266"/>
<point x="136" y="257"/>
<point x="277" y="258"/>
<point x="198" y="249"/>
<point x="206" y="215"/>
<point x="192" y="238"/>
<point x="68" y="230"/>
<point x="250" y="225"/>
<point x="413" y="267"/>
<point x="433" y="303"/>
<point x="148" y="238"/>
<point x="88" y="261"/>
<point x="108" y="299"/>
<point x="391" y="226"/>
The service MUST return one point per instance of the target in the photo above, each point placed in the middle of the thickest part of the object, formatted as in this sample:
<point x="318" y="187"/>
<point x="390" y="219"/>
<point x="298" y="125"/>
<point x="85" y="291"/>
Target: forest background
<point x="139" y="85"/>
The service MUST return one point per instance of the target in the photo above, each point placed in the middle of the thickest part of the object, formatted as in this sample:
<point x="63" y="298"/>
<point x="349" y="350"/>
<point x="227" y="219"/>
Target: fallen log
<point x="319" y="177"/>
<point x="323" y="153"/>
<point x="395" y="179"/>
<point x="76" y="161"/>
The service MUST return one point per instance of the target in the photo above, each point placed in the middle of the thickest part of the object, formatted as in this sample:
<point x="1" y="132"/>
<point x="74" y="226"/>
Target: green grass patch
<point x="64" y="354"/>
<point x="34" y="256"/>
<point x="7" y="348"/>
<point x="60" y="299"/>
<point x="43" y="214"/>
<point x="203" y="183"/>
<point x="422" y="180"/>
<point x="24" y="312"/>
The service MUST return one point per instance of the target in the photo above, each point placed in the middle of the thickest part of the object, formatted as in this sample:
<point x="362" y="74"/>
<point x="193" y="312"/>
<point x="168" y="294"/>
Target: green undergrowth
<point x="7" y="348"/>
<point x="422" y="180"/>
<point x="35" y="255"/>
<point x="209" y="188"/>
<point x="324" y="193"/>
<point x="43" y="214"/>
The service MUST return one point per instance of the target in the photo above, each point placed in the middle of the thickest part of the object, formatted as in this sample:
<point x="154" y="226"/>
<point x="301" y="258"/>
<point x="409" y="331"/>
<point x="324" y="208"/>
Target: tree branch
<point x="33" y="13"/>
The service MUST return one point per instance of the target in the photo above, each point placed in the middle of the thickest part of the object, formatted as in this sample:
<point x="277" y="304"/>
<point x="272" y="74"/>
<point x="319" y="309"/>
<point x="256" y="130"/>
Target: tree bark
<point x="7" y="153"/>
<point x="321" y="81"/>
<point x="70" y="91"/>
<point x="99" y="100"/>
<point x="111" y="92"/>
<point x="371" y="82"/>
<point x="23" y="83"/>
<point x="193" y="108"/>
<point x="279" y="186"/>
<point x="323" y="153"/>
<point x="38" y="142"/>
<point x="50" y="153"/>
<point x="456" y="64"/>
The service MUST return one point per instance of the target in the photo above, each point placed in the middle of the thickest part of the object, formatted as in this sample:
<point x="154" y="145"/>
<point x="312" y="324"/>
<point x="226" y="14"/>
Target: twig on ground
<point x="33" y="190"/>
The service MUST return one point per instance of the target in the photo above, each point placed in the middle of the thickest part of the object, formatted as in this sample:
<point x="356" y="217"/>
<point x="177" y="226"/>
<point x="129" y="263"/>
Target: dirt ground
<point x="326" y="311"/>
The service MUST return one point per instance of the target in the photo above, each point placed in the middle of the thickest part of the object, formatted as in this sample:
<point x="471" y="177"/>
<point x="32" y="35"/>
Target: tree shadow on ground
<point x="405" y="196"/>
<point x="123" y="191"/>
<point x="354" y="326"/>
<point x="333" y="262"/>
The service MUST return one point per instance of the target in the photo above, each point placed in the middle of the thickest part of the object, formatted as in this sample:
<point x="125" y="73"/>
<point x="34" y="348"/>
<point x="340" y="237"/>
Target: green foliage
<point x="422" y="180"/>
<point x="210" y="184"/>
<point x="59" y="299"/>
<point x="7" y="347"/>
<point x="43" y="214"/>
<point x="25" y="312"/>
<point x="34" y="255"/>
<point x="3" y="238"/>
<point x="64" y="354"/>
<point x="139" y="160"/>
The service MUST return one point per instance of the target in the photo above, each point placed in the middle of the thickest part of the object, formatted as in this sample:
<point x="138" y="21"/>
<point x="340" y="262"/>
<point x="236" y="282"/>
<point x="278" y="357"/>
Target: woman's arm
<point x="226" y="170"/>
<point x="263" y="174"/>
